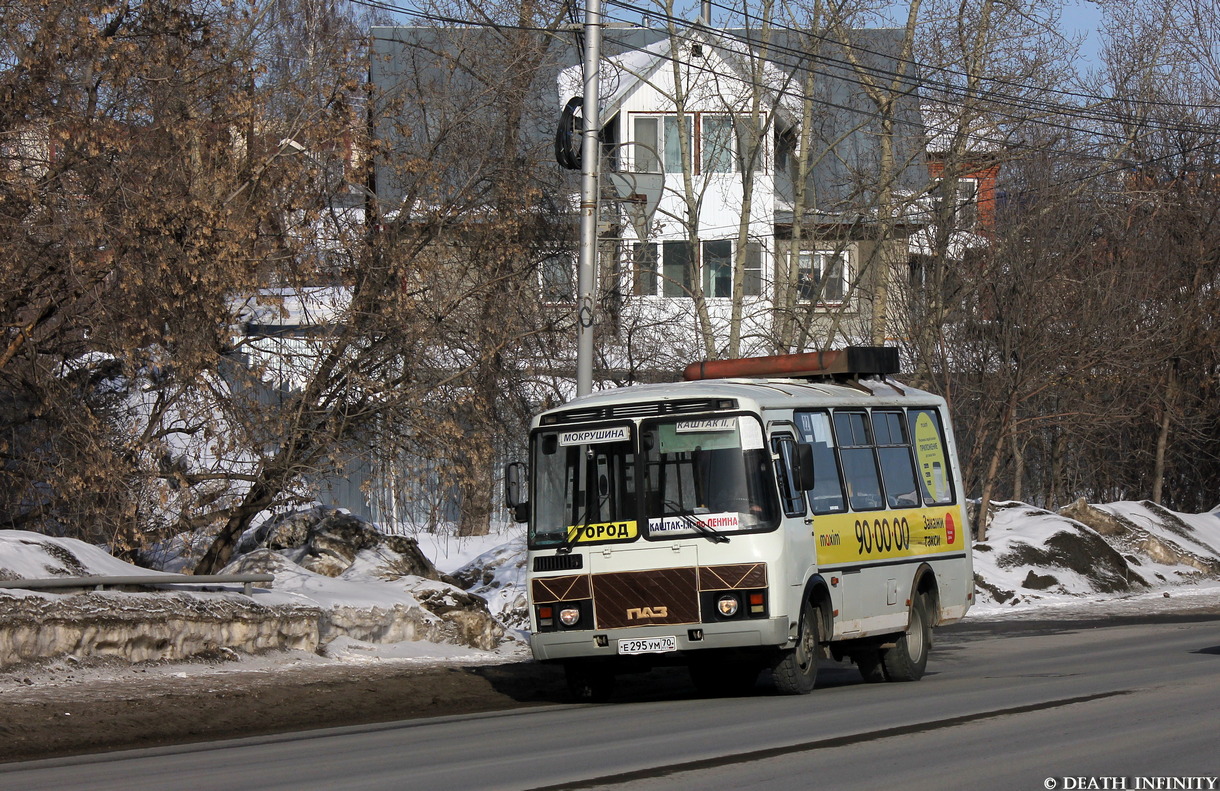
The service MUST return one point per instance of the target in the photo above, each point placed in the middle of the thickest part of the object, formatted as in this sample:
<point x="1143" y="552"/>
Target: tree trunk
<point x="261" y="495"/>
<point x="1162" y="438"/>
<point x="993" y="467"/>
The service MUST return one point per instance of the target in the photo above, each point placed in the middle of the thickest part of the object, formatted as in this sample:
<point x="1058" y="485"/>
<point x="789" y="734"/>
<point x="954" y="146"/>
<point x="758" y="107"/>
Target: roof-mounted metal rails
<point x="849" y="362"/>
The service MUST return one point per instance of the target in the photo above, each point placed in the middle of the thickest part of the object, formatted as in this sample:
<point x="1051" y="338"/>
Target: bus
<point x="764" y="513"/>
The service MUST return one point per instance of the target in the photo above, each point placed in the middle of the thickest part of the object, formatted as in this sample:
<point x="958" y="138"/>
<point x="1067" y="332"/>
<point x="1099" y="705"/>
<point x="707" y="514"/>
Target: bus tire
<point x="588" y="684"/>
<point x="796" y="670"/>
<point x="868" y="662"/>
<point x="909" y="656"/>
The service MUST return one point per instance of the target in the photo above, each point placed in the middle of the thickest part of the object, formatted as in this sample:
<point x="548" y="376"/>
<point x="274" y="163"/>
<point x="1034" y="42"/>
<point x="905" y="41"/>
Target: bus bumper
<point x="583" y="644"/>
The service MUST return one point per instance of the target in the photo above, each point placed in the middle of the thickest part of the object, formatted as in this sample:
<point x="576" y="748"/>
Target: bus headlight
<point x="569" y="616"/>
<point x="727" y="604"/>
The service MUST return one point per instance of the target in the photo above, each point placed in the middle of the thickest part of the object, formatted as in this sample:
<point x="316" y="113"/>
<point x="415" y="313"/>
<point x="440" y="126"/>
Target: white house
<point x="733" y="123"/>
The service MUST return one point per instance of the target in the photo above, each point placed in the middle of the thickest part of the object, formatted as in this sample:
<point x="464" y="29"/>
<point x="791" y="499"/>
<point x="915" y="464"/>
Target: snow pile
<point x="25" y="555"/>
<point x="1166" y="538"/>
<point x="139" y="627"/>
<point x="1032" y="557"/>
<point x="133" y="626"/>
<point x="340" y="587"/>
<point x="370" y="586"/>
<point x="353" y="594"/>
<point x="498" y="576"/>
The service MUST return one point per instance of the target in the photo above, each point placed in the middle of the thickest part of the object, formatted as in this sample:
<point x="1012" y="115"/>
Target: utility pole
<point x="586" y="276"/>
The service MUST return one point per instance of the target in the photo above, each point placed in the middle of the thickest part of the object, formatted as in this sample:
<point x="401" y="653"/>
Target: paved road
<point x="1004" y="706"/>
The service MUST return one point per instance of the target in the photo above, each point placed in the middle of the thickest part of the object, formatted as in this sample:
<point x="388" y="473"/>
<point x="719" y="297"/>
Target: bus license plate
<point x="648" y="645"/>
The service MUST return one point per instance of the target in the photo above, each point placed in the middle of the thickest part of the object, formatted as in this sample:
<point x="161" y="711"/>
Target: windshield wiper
<point x="565" y="546"/>
<point x="695" y="523"/>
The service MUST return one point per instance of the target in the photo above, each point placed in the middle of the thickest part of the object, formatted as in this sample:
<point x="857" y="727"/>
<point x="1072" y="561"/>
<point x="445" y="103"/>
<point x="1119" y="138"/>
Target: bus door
<point x="798" y="537"/>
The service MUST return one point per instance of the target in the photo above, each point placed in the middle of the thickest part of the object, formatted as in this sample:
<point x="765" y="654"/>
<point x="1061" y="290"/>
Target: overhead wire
<point x="1021" y="104"/>
<point x="923" y="66"/>
<point x="993" y="98"/>
<point x="847" y="68"/>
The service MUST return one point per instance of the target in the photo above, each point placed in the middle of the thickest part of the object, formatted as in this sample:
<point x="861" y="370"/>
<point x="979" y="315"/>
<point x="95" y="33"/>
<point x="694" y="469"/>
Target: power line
<point x="923" y="66"/>
<point x="848" y="75"/>
<point x="993" y="98"/>
<point x="847" y="70"/>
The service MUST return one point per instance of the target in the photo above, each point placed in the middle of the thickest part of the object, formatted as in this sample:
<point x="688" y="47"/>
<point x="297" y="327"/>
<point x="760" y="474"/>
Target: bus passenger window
<point x="859" y="461"/>
<point x="931" y="459"/>
<point x="826" y="496"/>
<point x="894" y="453"/>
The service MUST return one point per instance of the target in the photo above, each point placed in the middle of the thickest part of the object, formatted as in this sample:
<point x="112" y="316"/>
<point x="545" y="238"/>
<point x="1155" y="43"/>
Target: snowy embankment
<point x="341" y="587"/>
<point x="349" y="593"/>
<point x="1120" y="557"/>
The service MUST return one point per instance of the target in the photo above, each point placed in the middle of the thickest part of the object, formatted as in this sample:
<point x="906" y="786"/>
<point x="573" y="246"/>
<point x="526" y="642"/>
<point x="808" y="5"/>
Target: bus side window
<point x="785" y="474"/>
<point x="859" y="460"/>
<point x="931" y="459"/>
<point x="826" y="496"/>
<point x="894" y="453"/>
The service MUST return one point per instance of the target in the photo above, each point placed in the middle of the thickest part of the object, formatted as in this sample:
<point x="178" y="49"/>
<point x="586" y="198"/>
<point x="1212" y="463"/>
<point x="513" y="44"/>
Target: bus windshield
<point x="584" y="486"/>
<point x="706" y="473"/>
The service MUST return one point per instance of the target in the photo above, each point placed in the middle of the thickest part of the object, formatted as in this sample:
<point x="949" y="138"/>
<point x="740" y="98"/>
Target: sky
<point x="1083" y="16"/>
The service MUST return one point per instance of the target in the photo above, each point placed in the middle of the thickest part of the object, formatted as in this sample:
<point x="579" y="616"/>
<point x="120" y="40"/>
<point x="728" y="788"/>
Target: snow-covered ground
<point x="1086" y="561"/>
<point x="1126" y="557"/>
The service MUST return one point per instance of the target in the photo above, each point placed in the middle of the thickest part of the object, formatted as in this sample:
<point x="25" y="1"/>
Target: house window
<point x="752" y="274"/>
<point x="647" y="146"/>
<point x="674" y="161"/>
<point x="679" y="265"/>
<point x="717" y="143"/>
<point x="964" y="213"/>
<point x="676" y="268"/>
<point x="658" y="145"/>
<point x="558" y="279"/>
<point x="785" y="150"/>
<point x="718" y="268"/>
<point x="822" y="276"/>
<point x="644" y="270"/>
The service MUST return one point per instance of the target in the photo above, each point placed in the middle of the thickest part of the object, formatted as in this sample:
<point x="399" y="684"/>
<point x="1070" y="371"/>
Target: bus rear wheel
<point x="796" y="670"/>
<point x="909" y="656"/>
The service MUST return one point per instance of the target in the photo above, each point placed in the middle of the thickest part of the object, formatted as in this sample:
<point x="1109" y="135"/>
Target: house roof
<point x="845" y="125"/>
<point x="620" y="75"/>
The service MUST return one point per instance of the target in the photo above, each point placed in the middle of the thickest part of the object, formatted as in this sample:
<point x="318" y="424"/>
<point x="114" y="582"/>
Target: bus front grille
<point x="642" y="598"/>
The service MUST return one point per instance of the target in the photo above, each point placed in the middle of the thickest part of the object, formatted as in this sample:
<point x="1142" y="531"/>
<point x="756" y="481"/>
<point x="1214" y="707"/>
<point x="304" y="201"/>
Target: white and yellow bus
<point x="762" y="514"/>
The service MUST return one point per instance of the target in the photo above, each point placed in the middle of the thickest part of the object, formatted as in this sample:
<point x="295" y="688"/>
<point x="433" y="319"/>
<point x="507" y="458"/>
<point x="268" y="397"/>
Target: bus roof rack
<point x="848" y="362"/>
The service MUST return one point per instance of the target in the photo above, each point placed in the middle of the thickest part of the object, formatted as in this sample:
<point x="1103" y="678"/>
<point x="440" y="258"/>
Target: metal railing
<point x="99" y="583"/>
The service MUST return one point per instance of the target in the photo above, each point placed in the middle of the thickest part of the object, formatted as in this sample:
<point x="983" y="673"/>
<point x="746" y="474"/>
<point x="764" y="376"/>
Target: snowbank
<point x="1036" y="559"/>
<point x="336" y="579"/>
<point x="350" y="594"/>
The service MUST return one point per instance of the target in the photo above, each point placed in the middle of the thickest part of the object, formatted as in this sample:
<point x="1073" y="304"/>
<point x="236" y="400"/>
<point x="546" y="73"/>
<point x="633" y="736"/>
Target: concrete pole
<point x="586" y="277"/>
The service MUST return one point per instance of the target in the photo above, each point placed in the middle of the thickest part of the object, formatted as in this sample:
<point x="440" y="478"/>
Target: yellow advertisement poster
<point x="930" y="455"/>
<point x="888" y="535"/>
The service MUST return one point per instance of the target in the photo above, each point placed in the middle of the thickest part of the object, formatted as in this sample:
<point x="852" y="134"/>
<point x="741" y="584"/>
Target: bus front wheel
<point x="796" y="670"/>
<point x="909" y="656"/>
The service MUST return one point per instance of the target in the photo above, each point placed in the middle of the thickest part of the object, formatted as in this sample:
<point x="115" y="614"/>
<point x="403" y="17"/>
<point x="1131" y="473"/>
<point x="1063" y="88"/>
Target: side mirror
<point x="804" y="466"/>
<point x="514" y="481"/>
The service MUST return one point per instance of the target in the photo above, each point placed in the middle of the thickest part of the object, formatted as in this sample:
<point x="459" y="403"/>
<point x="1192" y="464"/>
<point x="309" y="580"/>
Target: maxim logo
<point x="636" y="613"/>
